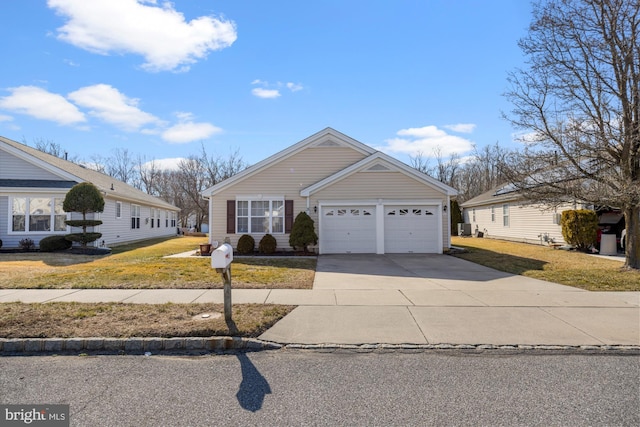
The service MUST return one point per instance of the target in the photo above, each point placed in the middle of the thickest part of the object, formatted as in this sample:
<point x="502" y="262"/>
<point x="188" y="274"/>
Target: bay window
<point x="37" y="215"/>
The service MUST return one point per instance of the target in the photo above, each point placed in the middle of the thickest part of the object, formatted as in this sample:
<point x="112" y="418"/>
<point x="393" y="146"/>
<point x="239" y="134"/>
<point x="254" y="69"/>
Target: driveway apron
<point x="440" y="299"/>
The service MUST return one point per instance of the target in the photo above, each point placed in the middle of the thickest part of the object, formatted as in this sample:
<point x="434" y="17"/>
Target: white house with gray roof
<point x="33" y="185"/>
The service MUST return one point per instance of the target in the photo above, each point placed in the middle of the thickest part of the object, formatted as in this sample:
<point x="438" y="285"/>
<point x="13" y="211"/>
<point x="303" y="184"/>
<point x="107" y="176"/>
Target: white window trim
<point x="138" y="223"/>
<point x="260" y="199"/>
<point x="118" y="210"/>
<point x="493" y="214"/>
<point x="27" y="214"/>
<point x="506" y="220"/>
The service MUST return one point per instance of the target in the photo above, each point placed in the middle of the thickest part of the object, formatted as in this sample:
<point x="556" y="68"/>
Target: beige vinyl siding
<point x="12" y="167"/>
<point x="527" y="223"/>
<point x="284" y="179"/>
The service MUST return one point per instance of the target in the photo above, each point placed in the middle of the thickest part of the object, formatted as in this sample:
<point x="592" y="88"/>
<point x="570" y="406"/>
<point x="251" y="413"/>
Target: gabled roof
<point x="500" y="194"/>
<point x="331" y="137"/>
<point x="69" y="171"/>
<point x="379" y="162"/>
<point x="325" y="138"/>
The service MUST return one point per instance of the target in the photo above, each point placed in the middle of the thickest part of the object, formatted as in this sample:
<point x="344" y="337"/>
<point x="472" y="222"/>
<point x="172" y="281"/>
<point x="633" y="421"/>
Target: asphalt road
<point x="310" y="388"/>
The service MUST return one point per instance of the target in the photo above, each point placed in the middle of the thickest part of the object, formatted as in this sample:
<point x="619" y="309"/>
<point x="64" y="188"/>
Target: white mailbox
<point x="222" y="256"/>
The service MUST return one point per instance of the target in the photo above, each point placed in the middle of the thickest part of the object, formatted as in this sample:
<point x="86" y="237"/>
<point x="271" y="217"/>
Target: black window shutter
<point x="231" y="216"/>
<point x="288" y="216"/>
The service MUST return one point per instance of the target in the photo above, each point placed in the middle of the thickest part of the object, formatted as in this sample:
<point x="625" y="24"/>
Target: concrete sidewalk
<point x="410" y="299"/>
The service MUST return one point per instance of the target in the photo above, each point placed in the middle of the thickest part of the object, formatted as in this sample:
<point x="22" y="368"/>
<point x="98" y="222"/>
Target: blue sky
<point x="160" y="78"/>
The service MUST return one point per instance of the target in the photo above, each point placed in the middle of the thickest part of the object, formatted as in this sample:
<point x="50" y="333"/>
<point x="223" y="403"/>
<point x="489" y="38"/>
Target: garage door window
<point x="410" y="212"/>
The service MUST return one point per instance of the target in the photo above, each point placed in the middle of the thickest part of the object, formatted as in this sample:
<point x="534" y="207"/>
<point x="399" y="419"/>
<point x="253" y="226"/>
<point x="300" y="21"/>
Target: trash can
<point x="608" y="244"/>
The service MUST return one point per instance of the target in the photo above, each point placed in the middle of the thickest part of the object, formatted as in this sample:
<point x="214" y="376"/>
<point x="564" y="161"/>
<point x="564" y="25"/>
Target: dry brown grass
<point x="143" y="265"/>
<point x="541" y="262"/>
<point x="64" y="320"/>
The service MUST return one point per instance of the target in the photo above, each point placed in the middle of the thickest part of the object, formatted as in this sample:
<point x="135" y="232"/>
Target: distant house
<point x="362" y="200"/>
<point x="502" y="213"/>
<point x="33" y="185"/>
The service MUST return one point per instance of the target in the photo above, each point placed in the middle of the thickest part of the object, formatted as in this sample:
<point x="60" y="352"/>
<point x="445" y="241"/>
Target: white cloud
<point x="158" y="33"/>
<point x="462" y="127"/>
<point x="427" y="141"/>
<point x="265" y="93"/>
<point x="110" y="105"/>
<point x="294" y="87"/>
<point x="164" y="164"/>
<point x="187" y="130"/>
<point x="41" y="104"/>
<point x="5" y="118"/>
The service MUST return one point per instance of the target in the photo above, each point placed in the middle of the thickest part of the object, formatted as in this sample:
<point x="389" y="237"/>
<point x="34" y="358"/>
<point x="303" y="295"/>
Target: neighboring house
<point x="503" y="214"/>
<point x="362" y="200"/>
<point x="33" y="185"/>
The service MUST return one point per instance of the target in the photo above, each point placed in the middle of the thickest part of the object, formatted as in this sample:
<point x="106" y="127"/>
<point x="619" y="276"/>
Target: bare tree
<point x="579" y="103"/>
<point x="150" y="176"/>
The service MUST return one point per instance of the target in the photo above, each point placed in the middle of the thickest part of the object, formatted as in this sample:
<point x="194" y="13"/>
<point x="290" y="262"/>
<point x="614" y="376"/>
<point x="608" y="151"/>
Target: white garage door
<point x="411" y="229"/>
<point x="348" y="229"/>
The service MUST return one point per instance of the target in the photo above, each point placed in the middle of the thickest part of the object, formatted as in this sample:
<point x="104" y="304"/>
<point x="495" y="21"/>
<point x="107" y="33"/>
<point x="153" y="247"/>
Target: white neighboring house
<point x="503" y="214"/>
<point x="33" y="185"/>
<point x="362" y="200"/>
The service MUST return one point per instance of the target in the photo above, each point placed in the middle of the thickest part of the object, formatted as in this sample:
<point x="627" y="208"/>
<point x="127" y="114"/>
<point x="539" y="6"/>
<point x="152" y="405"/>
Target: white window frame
<point x="27" y="215"/>
<point x="135" y="217"/>
<point x="270" y="217"/>
<point x="174" y="217"/>
<point x="118" y="210"/>
<point x="473" y="213"/>
<point x="505" y="215"/>
<point x="493" y="214"/>
<point x="153" y="217"/>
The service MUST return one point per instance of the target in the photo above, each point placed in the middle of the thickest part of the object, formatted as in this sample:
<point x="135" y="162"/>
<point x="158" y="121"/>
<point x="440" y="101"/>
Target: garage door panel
<point x="350" y="229"/>
<point x="410" y="229"/>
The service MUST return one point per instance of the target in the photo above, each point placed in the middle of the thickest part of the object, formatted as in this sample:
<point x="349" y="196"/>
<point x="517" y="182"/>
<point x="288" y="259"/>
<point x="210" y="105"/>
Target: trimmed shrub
<point x="0" y="243"/>
<point x="27" y="244"/>
<point x="580" y="228"/>
<point x="83" y="198"/>
<point x="456" y="217"/>
<point x="267" y="244"/>
<point x="54" y="243"/>
<point x="246" y="244"/>
<point x="303" y="233"/>
<point x="83" y="238"/>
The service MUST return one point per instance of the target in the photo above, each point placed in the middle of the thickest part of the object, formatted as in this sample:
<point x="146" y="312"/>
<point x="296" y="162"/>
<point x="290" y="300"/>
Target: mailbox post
<point x="221" y="260"/>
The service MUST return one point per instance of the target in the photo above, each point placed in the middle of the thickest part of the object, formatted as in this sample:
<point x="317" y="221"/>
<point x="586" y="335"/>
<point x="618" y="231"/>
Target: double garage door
<point x="356" y="229"/>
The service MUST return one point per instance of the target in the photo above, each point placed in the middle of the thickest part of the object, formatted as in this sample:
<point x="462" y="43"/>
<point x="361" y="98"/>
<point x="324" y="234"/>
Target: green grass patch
<point x="571" y="268"/>
<point x="143" y="266"/>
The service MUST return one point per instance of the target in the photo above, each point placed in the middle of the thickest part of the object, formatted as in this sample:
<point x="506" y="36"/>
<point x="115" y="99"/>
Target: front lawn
<point x="541" y="262"/>
<point x="116" y="320"/>
<point x="143" y="265"/>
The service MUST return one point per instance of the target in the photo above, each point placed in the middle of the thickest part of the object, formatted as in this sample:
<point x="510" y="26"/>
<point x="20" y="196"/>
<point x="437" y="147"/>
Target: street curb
<point x="470" y="348"/>
<point x="41" y="346"/>
<point x="151" y="345"/>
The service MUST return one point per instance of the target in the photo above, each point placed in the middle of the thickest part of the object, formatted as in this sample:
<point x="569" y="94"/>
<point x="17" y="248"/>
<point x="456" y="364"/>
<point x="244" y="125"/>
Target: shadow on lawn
<point x="500" y="261"/>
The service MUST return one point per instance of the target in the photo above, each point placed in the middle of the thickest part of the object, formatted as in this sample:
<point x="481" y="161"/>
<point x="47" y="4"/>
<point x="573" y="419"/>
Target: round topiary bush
<point x="267" y="244"/>
<point x="246" y="244"/>
<point x="54" y="243"/>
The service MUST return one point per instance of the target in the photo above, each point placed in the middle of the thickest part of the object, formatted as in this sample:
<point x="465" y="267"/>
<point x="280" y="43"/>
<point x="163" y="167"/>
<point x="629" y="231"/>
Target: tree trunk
<point x="632" y="240"/>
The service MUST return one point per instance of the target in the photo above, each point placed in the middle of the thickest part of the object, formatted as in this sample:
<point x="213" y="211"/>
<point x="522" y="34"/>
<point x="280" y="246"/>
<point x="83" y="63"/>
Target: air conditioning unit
<point x="464" y="229"/>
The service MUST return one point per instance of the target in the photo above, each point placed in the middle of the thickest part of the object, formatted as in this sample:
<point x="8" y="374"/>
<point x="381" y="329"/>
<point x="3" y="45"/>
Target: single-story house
<point x="33" y="185"/>
<point x="361" y="200"/>
<point x="503" y="213"/>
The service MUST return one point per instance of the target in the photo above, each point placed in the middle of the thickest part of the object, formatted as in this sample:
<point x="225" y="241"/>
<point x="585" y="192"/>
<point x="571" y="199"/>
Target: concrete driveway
<point x="440" y="299"/>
